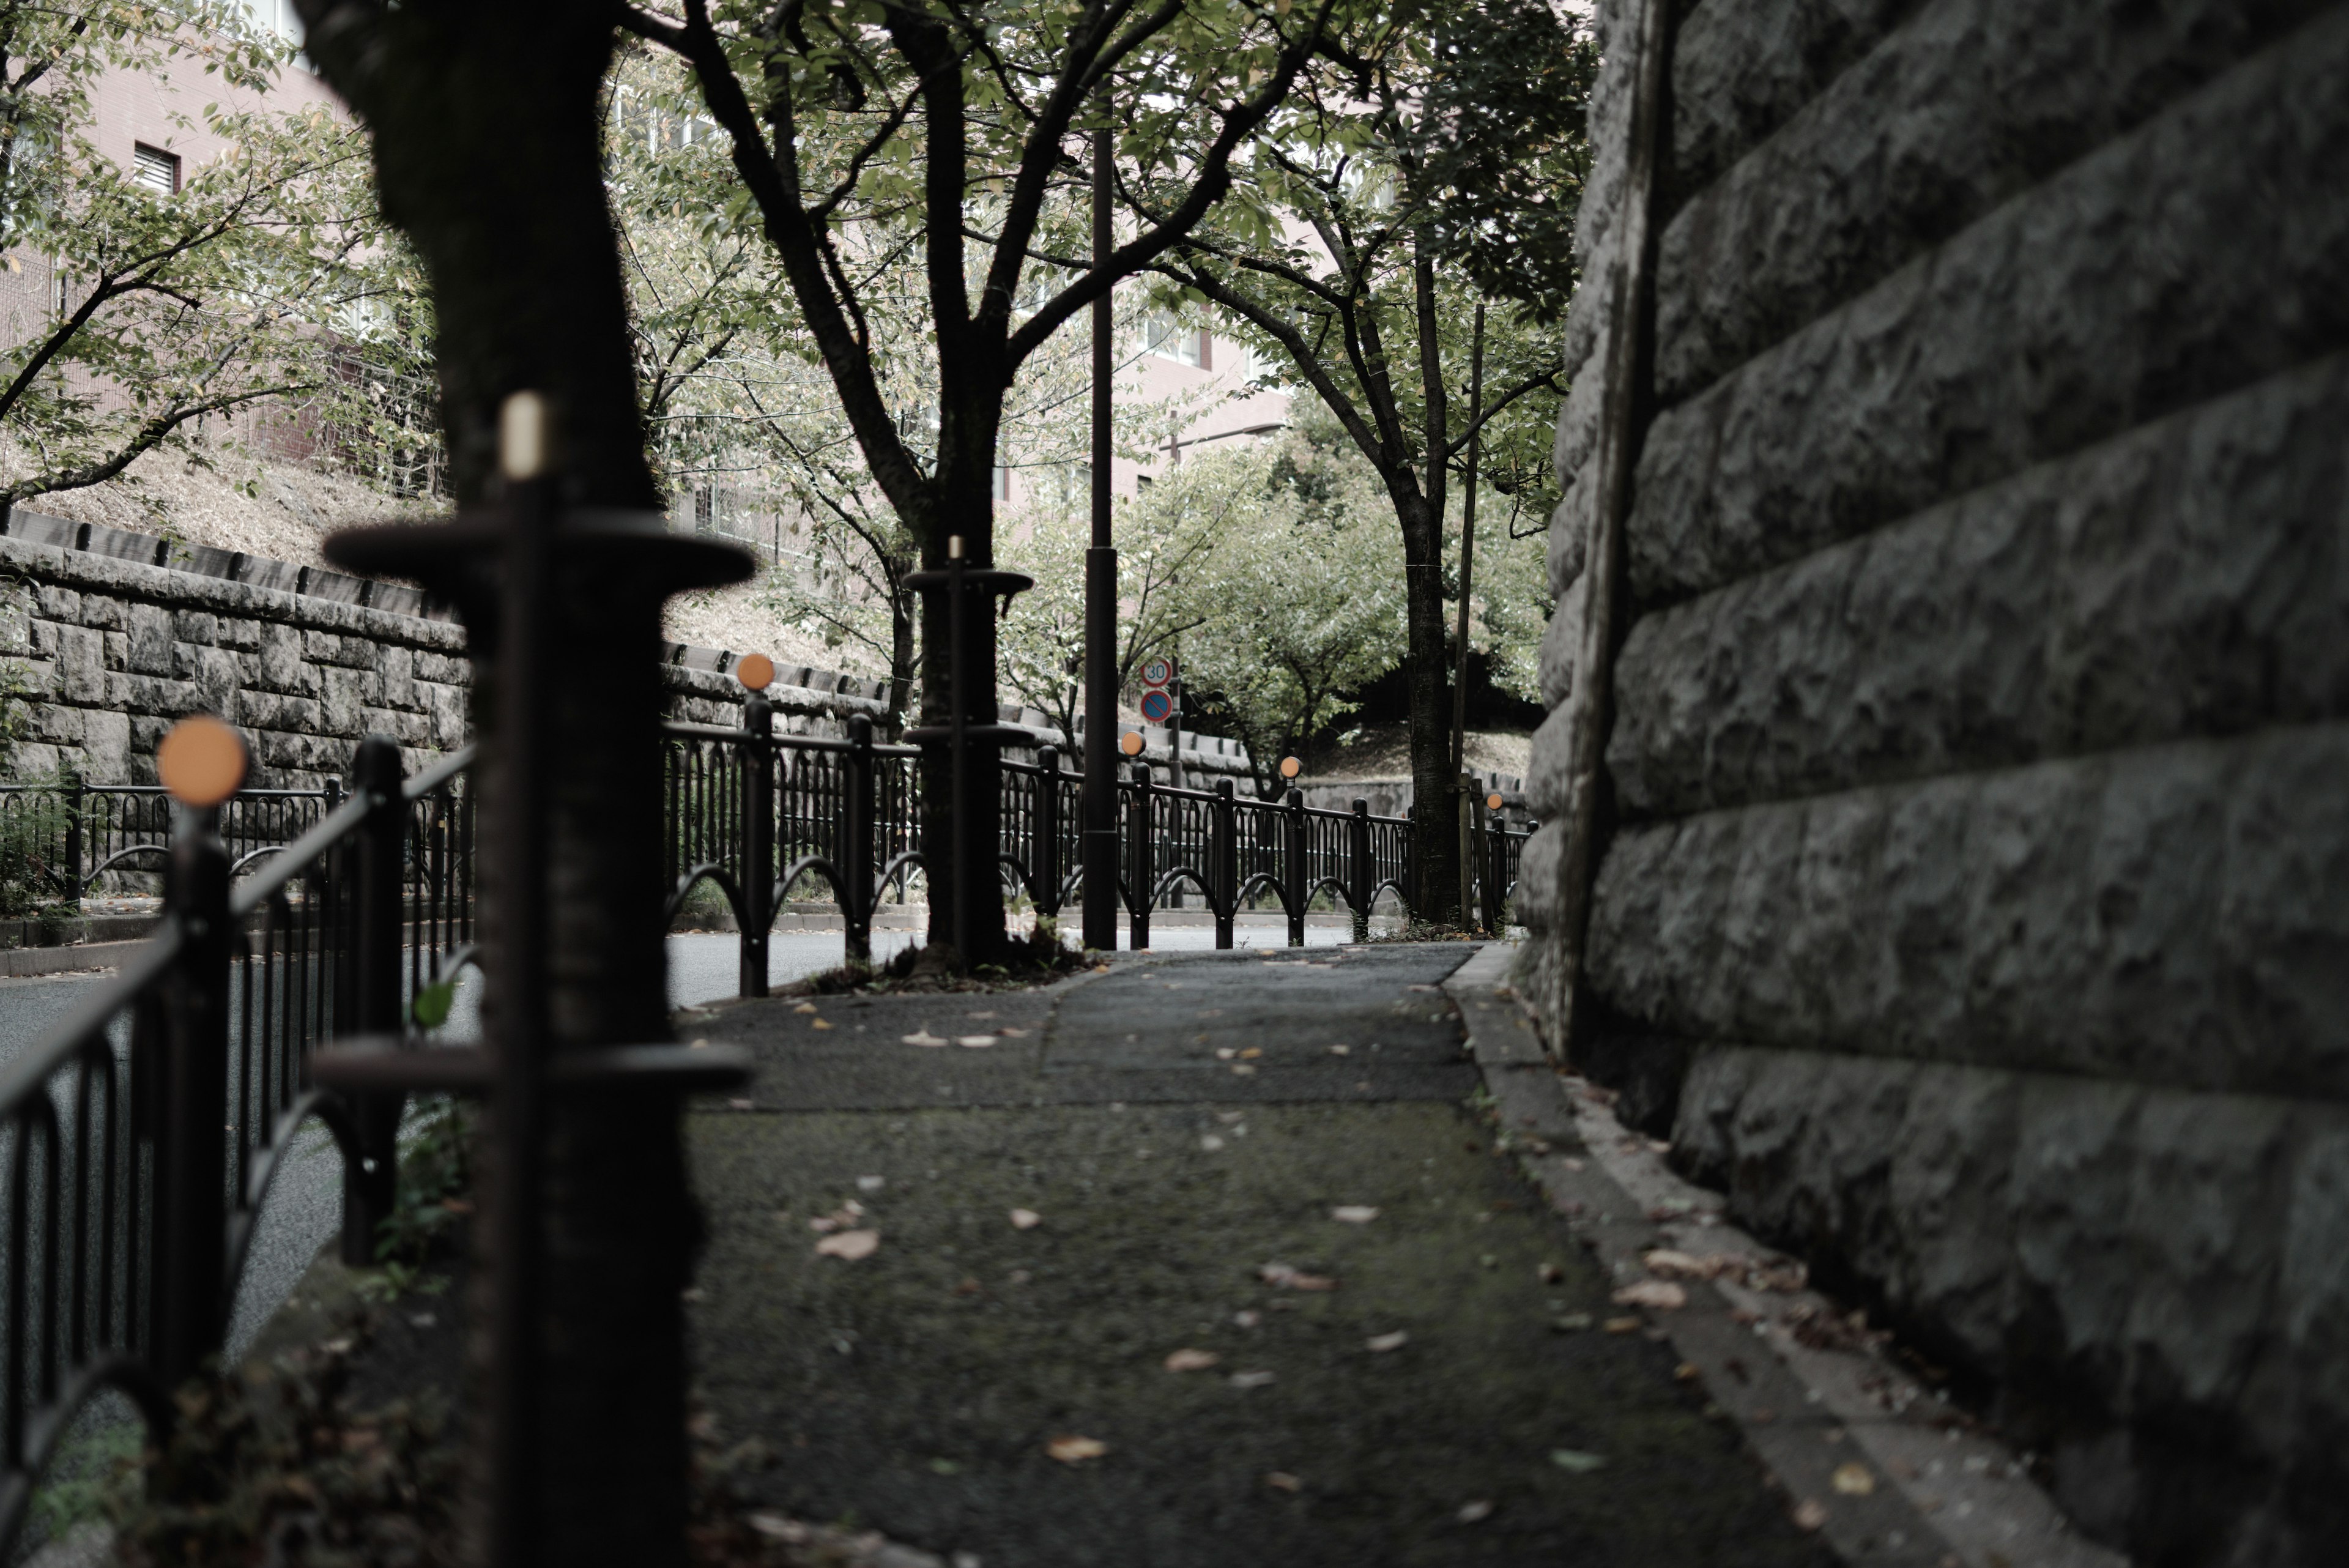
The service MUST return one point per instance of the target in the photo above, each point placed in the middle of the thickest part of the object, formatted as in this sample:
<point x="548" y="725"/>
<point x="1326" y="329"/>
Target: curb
<point x="1889" y="1475"/>
<point x="24" y="962"/>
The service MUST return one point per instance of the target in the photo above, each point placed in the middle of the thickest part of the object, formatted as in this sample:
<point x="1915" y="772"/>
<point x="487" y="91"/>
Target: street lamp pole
<point x="1099" y="794"/>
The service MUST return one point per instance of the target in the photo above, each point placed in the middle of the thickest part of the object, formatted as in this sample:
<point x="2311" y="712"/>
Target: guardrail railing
<point x="139" y="1137"/>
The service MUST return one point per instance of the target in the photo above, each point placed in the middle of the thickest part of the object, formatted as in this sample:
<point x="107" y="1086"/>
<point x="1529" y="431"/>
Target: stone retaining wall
<point x="1970" y="880"/>
<point x="118" y="635"/>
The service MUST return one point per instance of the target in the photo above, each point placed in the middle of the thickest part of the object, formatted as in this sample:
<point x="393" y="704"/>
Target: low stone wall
<point x="120" y="634"/>
<point x="1968" y="871"/>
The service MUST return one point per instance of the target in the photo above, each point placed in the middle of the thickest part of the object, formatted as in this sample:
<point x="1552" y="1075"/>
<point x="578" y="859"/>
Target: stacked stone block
<point x="109" y="647"/>
<point x="1974" y="868"/>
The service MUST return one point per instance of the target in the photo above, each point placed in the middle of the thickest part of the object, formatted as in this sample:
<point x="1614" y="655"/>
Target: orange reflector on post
<point x="1493" y="801"/>
<point x="201" y="762"/>
<point x="1290" y="767"/>
<point x="755" y="671"/>
<point x="1130" y="742"/>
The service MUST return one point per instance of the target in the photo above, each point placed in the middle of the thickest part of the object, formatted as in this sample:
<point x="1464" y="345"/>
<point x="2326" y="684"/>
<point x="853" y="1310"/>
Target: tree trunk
<point x="1435" y="786"/>
<point x="901" y="648"/>
<point x="489" y="153"/>
<point x="1435" y="837"/>
<point x="972" y="820"/>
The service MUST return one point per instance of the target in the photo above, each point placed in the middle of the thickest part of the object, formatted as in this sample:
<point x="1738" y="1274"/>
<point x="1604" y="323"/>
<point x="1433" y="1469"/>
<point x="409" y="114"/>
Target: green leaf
<point x="431" y="1007"/>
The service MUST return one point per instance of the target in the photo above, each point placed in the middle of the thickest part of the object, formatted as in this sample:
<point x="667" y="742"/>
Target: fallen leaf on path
<point x="1244" y="1069"/>
<point x="923" y="1037"/>
<point x="804" y="1007"/>
<point x="1476" y="1512"/>
<point x="1854" y="1479"/>
<point x="1380" y="1344"/>
<point x="1685" y="1266"/>
<point x="975" y="1041"/>
<point x="1574" y="1321"/>
<point x="1287" y="1277"/>
<point x="818" y="1023"/>
<point x="1248" y="1317"/>
<point x="1353" y="1213"/>
<point x="1624" y="1326"/>
<point x="739" y="1104"/>
<point x="1341" y="1050"/>
<point x="1011" y="1033"/>
<point x="1578" y="1462"/>
<point x="1550" y="1273"/>
<point x="1025" y="1219"/>
<point x="1225" y="1053"/>
<point x="1283" y="1480"/>
<point x="1191" y="1360"/>
<point x="1809" y="1514"/>
<point x="775" y="1527"/>
<point x="1661" y="1294"/>
<point x="1251" y="1053"/>
<point x="849" y="1245"/>
<point x="987" y="1013"/>
<point x="1210" y="1142"/>
<point x="1688" y="1372"/>
<point x="1250" y="1379"/>
<point x="1076" y="1450"/>
<point x="871" y="1183"/>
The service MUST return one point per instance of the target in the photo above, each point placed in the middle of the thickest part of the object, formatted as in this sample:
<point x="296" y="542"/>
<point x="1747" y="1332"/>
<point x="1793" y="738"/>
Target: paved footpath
<point x="1188" y="1133"/>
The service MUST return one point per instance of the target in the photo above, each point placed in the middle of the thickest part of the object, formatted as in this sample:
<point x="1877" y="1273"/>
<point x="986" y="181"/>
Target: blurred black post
<point x="1362" y="876"/>
<point x="378" y="912"/>
<point x="191" y="1153"/>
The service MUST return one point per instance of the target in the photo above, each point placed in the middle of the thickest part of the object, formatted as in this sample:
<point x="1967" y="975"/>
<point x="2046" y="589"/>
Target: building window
<point x="157" y="170"/>
<point x="1171" y="339"/>
<point x="1142" y="481"/>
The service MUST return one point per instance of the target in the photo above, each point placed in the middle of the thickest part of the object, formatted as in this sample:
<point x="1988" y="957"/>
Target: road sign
<point x="1157" y="671"/>
<point x="1157" y="706"/>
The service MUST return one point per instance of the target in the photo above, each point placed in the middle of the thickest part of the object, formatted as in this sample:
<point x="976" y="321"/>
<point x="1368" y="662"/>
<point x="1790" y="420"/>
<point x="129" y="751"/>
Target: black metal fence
<point x="139" y="1139"/>
<point x="64" y="838"/>
<point x="756" y="814"/>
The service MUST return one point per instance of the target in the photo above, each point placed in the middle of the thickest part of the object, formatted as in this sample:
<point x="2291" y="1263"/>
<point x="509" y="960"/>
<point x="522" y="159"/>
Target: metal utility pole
<point x="1468" y="541"/>
<point x="1099" y="794"/>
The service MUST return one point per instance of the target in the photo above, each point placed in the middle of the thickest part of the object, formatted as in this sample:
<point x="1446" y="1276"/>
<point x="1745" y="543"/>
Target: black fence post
<point x="73" y="792"/>
<point x="1224" y="861"/>
<point x="859" y="809"/>
<point x="1411" y="864"/>
<point x="190" y="1227"/>
<point x="1142" y="859"/>
<point x="1362" y="884"/>
<point x="1044" y="827"/>
<point x="758" y="867"/>
<point x="378" y="912"/>
<point x="1496" y="888"/>
<point x="1293" y="867"/>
